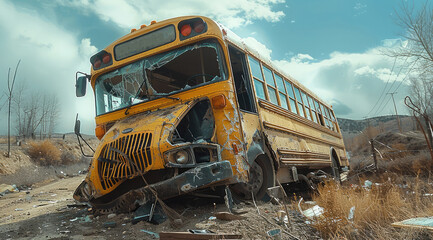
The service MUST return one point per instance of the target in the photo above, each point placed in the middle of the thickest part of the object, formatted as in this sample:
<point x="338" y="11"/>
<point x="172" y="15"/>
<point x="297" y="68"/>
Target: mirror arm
<point x="77" y="132"/>
<point x="81" y="146"/>
<point x="85" y="74"/>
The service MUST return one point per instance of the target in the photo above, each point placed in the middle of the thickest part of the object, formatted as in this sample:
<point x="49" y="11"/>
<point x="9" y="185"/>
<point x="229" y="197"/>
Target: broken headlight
<point x="192" y="154"/>
<point x="182" y="157"/>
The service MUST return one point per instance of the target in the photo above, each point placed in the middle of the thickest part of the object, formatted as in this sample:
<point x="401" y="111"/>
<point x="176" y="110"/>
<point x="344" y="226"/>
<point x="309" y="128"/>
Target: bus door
<point x="249" y="117"/>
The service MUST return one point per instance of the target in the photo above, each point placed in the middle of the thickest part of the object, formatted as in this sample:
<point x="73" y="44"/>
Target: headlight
<point x="182" y="157"/>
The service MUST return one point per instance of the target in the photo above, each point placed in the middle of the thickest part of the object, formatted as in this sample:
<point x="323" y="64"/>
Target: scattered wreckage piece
<point x="226" y="216"/>
<point x="150" y="212"/>
<point x="196" y="235"/>
<point x="415" y="223"/>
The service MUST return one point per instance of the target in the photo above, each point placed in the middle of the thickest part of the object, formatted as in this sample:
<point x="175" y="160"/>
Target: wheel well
<point x="270" y="154"/>
<point x="336" y="157"/>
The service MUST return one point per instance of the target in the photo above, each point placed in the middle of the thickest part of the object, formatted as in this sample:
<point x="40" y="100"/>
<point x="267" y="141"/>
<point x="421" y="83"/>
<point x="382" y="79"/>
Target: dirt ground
<point x="44" y="208"/>
<point x="48" y="211"/>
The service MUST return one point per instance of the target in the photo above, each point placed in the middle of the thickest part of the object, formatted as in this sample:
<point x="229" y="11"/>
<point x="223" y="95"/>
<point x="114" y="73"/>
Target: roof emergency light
<point x="101" y="59"/>
<point x="191" y="27"/>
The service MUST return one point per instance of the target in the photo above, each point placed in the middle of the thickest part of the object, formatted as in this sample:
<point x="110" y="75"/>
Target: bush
<point x="44" y="153"/>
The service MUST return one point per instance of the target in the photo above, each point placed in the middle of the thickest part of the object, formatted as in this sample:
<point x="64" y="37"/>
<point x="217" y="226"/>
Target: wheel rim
<point x="335" y="170"/>
<point x="256" y="180"/>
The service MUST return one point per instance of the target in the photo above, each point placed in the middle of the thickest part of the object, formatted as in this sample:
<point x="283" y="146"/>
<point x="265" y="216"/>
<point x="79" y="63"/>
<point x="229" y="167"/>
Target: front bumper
<point x="199" y="177"/>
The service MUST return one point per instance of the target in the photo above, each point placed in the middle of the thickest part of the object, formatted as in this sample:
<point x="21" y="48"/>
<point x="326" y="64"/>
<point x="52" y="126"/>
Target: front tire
<point x="261" y="177"/>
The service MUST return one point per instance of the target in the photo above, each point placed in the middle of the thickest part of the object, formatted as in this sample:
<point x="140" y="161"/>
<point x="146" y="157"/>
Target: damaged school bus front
<point x="168" y="118"/>
<point x="170" y="150"/>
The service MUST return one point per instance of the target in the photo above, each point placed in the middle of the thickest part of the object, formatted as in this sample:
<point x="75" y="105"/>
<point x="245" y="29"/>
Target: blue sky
<point x="333" y="47"/>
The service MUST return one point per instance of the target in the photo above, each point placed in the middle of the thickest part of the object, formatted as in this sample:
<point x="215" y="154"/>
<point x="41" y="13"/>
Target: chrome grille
<point x="125" y="157"/>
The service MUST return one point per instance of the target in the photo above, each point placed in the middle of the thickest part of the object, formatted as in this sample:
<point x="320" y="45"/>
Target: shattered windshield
<point x="159" y="76"/>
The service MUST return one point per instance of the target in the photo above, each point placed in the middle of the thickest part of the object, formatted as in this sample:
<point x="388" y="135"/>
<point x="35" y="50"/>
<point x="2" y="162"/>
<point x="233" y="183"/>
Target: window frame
<point x="254" y="78"/>
<point x="268" y="85"/>
<point x="305" y="105"/>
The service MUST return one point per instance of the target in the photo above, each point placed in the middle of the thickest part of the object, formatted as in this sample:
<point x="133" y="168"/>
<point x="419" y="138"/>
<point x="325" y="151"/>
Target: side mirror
<point x="80" y="86"/>
<point x="77" y="127"/>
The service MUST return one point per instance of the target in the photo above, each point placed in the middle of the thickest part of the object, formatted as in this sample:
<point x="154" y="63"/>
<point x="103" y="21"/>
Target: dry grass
<point x="375" y="210"/>
<point x="44" y="153"/>
<point x="420" y="164"/>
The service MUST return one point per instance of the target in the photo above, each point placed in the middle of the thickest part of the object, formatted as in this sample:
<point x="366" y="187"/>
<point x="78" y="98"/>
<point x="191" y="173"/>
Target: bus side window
<point x="300" y="105"/>
<point x="281" y="91"/>
<point x="241" y="79"/>
<point x="319" y="113"/>
<point x="313" y="109"/>
<point x="269" y="79"/>
<point x="292" y="99"/>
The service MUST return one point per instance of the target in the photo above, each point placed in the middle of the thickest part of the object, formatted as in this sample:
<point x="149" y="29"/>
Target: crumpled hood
<point x="147" y="121"/>
<point x="132" y="147"/>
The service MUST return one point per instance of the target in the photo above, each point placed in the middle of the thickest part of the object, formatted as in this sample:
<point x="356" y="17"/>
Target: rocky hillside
<point x="388" y="123"/>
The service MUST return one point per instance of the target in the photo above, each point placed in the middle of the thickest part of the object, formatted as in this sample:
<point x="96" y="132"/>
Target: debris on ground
<point x="150" y="212"/>
<point x="416" y="223"/>
<point x="312" y="213"/>
<point x="57" y="216"/>
<point x="189" y="235"/>
<point x="226" y="216"/>
<point x="367" y="184"/>
<point x="274" y="233"/>
<point x="5" y="189"/>
<point x="109" y="224"/>
<point x="155" y="235"/>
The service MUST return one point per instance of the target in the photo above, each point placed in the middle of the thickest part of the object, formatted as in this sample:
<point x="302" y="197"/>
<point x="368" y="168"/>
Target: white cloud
<point x="351" y="81"/>
<point x="301" y="58"/>
<point x="258" y="47"/>
<point x="133" y="13"/>
<point x="359" y="6"/>
<point x="360" y="9"/>
<point x="49" y="55"/>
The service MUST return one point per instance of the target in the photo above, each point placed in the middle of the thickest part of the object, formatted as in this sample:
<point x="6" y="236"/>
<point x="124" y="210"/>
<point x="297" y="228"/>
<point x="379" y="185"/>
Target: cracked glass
<point x="159" y="76"/>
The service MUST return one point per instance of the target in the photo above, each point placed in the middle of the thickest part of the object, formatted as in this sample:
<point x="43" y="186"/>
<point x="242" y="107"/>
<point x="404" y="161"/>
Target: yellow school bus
<point x="183" y="104"/>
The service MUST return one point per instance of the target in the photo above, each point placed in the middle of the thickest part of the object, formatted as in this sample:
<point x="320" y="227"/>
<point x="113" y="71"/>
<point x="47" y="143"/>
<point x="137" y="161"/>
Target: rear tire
<point x="335" y="169"/>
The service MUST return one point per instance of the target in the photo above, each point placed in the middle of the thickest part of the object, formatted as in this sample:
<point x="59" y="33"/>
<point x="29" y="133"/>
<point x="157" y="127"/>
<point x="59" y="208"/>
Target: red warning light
<point x="185" y="30"/>
<point x="97" y="64"/>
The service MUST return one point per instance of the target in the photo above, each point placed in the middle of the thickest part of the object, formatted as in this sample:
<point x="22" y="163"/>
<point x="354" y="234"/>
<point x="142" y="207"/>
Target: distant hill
<point x="388" y="123"/>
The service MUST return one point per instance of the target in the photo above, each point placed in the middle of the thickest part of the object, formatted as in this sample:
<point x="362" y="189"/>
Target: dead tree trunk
<point x="10" y="91"/>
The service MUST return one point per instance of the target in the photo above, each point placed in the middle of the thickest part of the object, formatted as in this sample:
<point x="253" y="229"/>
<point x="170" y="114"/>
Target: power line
<point x="393" y="82"/>
<point x="396" y="114"/>
<point x="398" y="86"/>
<point x="383" y="90"/>
<point x="386" y="104"/>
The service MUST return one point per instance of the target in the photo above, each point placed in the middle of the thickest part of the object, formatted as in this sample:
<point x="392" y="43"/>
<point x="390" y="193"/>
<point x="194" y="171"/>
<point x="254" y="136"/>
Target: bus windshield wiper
<point x="166" y="96"/>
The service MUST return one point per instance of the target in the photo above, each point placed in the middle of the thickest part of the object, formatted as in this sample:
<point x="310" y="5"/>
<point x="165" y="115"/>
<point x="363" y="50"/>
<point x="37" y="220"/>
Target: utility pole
<point x="396" y="114"/>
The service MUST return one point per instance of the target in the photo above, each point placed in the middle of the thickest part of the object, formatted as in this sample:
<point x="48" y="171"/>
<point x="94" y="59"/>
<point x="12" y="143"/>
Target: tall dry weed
<point x="44" y="153"/>
<point x="375" y="210"/>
